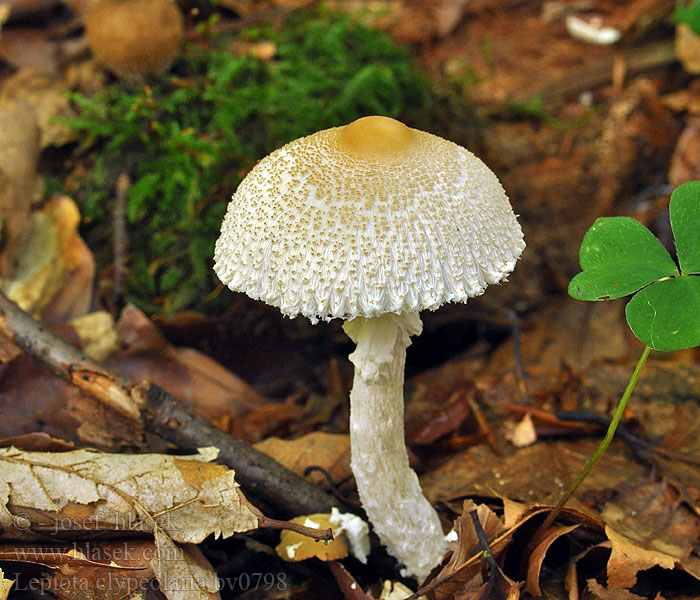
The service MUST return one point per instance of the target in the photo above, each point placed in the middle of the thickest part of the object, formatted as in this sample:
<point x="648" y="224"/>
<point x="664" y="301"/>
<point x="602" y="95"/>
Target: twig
<point x="64" y="360"/>
<point x="637" y="60"/>
<point x="549" y="418"/>
<point x="488" y="555"/>
<point x="120" y="238"/>
<point x="637" y="443"/>
<point x="517" y="355"/>
<point x="236" y="25"/>
<point x="260" y="475"/>
<point x="483" y="423"/>
<point x="320" y="535"/>
<point x="163" y="415"/>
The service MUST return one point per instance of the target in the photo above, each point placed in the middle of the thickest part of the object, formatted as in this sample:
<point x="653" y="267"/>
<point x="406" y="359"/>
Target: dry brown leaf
<point x="395" y="590"/>
<point x="115" y="567"/>
<point x="408" y="21"/>
<point x="49" y="99"/>
<point x="5" y="586"/>
<point x="443" y="419"/>
<point x="684" y="100"/>
<point x="685" y="162"/>
<point x="551" y="467"/>
<point x="651" y="513"/>
<point x="330" y="451"/>
<point x="687" y="48"/>
<point x="71" y="414"/>
<point x="498" y="586"/>
<point x="513" y="512"/>
<point x="213" y="391"/>
<point x="174" y="498"/>
<point x="51" y="257"/>
<point x="347" y="583"/>
<point x="187" y="498"/>
<point x="466" y="558"/>
<point x="30" y="48"/>
<point x="97" y="334"/>
<point x="294" y="546"/>
<point x="649" y="525"/>
<point x="591" y="560"/>
<point x="628" y="558"/>
<point x="538" y="554"/>
<point x="602" y="593"/>
<point x="4" y="14"/>
<point x="266" y="421"/>
<point x="580" y="333"/>
<point x="19" y="153"/>
<point x="182" y="572"/>
<point x="74" y="298"/>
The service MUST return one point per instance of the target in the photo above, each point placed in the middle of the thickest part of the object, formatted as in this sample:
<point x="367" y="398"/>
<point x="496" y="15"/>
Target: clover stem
<point x="603" y="446"/>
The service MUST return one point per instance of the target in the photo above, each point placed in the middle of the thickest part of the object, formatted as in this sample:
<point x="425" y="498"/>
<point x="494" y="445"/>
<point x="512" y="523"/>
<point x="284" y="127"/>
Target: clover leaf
<point x="619" y="256"/>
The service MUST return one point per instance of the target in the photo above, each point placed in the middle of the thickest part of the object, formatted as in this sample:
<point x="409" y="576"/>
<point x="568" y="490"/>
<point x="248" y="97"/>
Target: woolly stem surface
<point x="402" y="517"/>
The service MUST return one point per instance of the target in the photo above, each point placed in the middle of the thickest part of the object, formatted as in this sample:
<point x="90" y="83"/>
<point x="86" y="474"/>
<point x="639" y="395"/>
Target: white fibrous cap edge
<point x="327" y="227"/>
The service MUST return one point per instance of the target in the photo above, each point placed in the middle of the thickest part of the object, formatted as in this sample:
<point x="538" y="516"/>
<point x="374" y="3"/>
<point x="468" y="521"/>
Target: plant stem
<point x="604" y="444"/>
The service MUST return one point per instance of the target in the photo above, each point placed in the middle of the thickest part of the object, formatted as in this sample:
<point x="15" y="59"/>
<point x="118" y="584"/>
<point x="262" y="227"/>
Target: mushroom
<point x="372" y="222"/>
<point x="133" y="38"/>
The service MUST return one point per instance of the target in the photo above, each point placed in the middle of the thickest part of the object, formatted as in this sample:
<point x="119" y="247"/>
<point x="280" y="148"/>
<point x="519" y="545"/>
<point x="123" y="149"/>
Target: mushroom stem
<point x="402" y="517"/>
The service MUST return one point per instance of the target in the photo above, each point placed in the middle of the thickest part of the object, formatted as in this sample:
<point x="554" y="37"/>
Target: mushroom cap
<point x="134" y="37"/>
<point x="366" y="219"/>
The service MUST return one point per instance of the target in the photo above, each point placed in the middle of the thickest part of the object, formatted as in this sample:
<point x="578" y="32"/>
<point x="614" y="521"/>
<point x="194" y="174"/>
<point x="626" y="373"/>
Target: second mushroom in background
<point x="372" y="223"/>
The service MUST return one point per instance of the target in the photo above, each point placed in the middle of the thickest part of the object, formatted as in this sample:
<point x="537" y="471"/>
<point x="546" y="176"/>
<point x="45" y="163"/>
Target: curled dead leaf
<point x="538" y="554"/>
<point x="50" y="254"/>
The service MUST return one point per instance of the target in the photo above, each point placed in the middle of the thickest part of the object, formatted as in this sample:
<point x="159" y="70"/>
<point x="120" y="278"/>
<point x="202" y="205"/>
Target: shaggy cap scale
<point x="367" y="219"/>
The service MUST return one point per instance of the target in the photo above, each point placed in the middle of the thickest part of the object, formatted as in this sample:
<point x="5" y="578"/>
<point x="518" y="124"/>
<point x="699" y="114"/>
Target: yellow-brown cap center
<point x="376" y="137"/>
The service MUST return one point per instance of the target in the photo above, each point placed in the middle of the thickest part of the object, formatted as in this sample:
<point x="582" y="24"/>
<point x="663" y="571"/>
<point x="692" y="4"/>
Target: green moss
<point x="188" y="137"/>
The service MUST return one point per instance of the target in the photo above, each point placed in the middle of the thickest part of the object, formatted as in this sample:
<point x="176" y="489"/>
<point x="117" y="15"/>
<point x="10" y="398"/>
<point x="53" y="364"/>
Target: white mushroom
<point x="372" y="222"/>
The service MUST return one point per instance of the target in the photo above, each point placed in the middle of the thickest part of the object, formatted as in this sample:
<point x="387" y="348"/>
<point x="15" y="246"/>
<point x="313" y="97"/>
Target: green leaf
<point x="685" y="221"/>
<point x="619" y="256"/>
<point x="614" y="280"/>
<point x="665" y="315"/>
